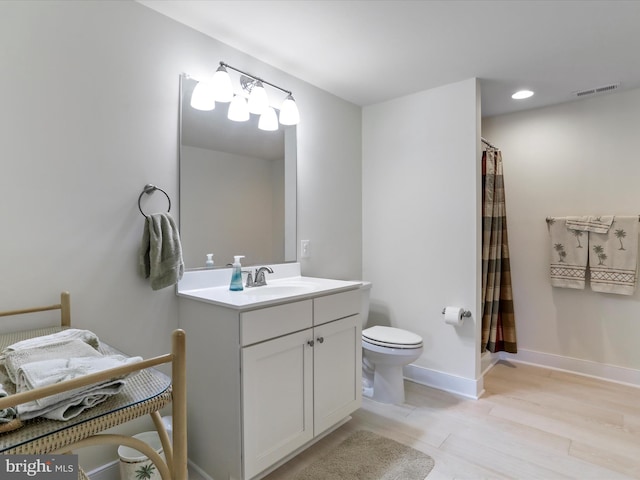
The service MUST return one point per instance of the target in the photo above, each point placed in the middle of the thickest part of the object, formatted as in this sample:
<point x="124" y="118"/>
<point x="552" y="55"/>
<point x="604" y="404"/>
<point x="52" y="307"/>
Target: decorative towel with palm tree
<point x="568" y="254"/>
<point x="613" y="257"/>
<point x="608" y="245"/>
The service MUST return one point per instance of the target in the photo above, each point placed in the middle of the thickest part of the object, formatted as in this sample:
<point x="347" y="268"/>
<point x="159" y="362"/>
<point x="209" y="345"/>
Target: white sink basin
<point x="279" y="290"/>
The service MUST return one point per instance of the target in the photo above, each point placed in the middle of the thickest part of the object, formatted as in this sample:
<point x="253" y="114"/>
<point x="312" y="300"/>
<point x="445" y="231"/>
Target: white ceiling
<point x="371" y="51"/>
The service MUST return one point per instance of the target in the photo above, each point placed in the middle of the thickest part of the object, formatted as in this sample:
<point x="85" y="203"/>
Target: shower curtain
<point x="498" y="321"/>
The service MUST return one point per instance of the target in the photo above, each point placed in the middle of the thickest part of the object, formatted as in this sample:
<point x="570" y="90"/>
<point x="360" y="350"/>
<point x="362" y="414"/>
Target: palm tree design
<point x="551" y="220"/>
<point x="577" y="234"/>
<point x="620" y="233"/>
<point x="599" y="251"/>
<point x="558" y="247"/>
<point x="145" y="471"/>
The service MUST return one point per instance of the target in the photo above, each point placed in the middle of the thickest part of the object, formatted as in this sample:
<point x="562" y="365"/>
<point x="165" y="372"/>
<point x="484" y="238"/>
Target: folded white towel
<point x="65" y="348"/>
<point x="613" y="261"/>
<point x="48" y="372"/>
<point x="71" y="403"/>
<point x="72" y="406"/>
<point x="68" y="334"/>
<point x="590" y="223"/>
<point x="52" y="359"/>
<point x="569" y="252"/>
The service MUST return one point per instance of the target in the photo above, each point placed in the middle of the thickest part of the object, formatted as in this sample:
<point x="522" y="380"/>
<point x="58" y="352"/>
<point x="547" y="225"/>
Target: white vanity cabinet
<point x="337" y="365"/>
<point x="265" y="383"/>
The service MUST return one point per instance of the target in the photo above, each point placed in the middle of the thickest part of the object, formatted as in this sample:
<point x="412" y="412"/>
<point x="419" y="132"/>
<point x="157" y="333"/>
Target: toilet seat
<point x="391" y="337"/>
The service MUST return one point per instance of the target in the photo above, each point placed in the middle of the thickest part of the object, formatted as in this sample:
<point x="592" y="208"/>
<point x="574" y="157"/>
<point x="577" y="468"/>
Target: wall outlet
<point x="305" y="248"/>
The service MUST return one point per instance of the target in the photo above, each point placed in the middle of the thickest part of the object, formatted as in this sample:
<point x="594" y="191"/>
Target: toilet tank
<point x="365" y="293"/>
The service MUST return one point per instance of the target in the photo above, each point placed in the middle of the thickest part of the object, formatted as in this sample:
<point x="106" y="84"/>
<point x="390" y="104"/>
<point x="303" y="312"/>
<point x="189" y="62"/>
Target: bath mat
<point x="367" y="456"/>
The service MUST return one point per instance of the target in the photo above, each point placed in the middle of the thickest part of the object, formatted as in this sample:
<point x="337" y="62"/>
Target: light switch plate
<point x="305" y="248"/>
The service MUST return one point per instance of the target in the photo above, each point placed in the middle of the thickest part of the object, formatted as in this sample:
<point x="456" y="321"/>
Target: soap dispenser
<point x="209" y="262"/>
<point x="236" y="274"/>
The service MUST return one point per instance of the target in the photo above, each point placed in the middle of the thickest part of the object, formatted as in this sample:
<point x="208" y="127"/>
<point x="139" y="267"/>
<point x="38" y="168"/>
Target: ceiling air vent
<point x="592" y="91"/>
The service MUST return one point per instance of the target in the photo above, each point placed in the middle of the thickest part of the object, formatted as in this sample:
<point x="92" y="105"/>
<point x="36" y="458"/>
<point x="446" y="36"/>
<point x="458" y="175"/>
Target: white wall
<point x="420" y="224"/>
<point x="577" y="158"/>
<point x="88" y="116"/>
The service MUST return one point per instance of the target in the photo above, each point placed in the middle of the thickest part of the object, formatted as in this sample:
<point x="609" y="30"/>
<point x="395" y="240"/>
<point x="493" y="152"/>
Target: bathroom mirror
<point x="237" y="187"/>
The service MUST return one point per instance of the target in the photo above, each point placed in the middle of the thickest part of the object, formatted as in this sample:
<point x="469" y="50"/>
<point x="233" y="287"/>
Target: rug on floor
<point x="368" y="456"/>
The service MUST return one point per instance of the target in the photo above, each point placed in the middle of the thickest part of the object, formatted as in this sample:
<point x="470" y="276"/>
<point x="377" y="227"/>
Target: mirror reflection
<point x="237" y="188"/>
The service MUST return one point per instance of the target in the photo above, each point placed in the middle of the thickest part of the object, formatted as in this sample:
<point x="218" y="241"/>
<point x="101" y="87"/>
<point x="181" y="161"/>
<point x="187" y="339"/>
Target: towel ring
<point x="149" y="189"/>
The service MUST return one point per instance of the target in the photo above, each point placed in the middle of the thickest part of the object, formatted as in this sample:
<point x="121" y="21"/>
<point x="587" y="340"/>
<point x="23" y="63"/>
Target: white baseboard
<point x="488" y="360"/>
<point x="471" y="388"/>
<point x="467" y="387"/>
<point x="611" y="373"/>
<point x="108" y="471"/>
<point x="193" y="468"/>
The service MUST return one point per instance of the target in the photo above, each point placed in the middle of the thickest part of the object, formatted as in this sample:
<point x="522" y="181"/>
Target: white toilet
<point x="385" y="350"/>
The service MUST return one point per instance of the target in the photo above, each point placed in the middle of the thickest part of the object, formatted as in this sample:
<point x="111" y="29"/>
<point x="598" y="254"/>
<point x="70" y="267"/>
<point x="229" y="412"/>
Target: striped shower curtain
<point x="498" y="321"/>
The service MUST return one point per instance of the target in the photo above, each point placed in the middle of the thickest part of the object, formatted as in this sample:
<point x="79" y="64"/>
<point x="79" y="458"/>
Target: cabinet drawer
<point x="259" y="325"/>
<point x="338" y="305"/>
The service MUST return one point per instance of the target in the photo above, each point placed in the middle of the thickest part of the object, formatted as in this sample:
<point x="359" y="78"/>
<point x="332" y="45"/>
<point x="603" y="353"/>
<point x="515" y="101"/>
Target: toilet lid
<point x="390" y="336"/>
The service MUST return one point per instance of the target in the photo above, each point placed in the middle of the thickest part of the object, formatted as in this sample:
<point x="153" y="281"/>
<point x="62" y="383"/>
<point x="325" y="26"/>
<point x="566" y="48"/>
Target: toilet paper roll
<point x="453" y="315"/>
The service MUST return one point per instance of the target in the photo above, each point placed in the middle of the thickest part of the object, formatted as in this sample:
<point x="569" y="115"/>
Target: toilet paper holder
<point x="465" y="313"/>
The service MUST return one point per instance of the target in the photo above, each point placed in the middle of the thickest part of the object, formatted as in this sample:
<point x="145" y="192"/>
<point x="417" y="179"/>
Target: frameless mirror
<point x="237" y="187"/>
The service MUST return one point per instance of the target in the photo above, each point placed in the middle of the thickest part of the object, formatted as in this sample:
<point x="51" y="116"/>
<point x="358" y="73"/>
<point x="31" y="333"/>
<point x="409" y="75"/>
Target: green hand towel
<point x="160" y="257"/>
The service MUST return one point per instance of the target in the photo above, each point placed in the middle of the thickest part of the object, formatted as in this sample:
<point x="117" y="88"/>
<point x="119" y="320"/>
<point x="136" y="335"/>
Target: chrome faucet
<point x="260" y="276"/>
<point x="250" y="282"/>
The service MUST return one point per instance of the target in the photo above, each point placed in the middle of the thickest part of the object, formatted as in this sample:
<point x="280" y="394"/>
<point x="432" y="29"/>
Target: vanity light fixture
<point x="268" y="120"/>
<point x="522" y="94"/>
<point x="289" y="112"/>
<point x="221" y="85"/>
<point x="220" y="89"/>
<point x="202" y="97"/>
<point x="258" y="99"/>
<point x="238" y="109"/>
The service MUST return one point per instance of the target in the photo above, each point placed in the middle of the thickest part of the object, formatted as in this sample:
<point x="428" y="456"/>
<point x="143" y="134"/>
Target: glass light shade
<point x="289" y="114"/>
<point x="238" y="110"/>
<point x="268" y="120"/>
<point x="221" y="84"/>
<point x="202" y="97"/>
<point x="258" y="99"/>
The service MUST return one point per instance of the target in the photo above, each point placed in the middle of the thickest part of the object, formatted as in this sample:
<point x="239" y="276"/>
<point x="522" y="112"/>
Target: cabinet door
<point x="337" y="360"/>
<point x="277" y="399"/>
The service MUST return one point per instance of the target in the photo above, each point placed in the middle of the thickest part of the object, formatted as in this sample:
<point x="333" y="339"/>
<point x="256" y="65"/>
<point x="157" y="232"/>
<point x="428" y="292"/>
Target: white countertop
<point x="286" y="284"/>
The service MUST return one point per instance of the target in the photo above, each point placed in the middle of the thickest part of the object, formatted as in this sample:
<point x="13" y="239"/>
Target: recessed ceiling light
<point x="522" y="94"/>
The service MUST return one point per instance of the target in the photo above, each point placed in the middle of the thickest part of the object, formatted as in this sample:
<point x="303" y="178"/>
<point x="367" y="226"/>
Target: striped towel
<point x="613" y="257"/>
<point x="569" y="252"/>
